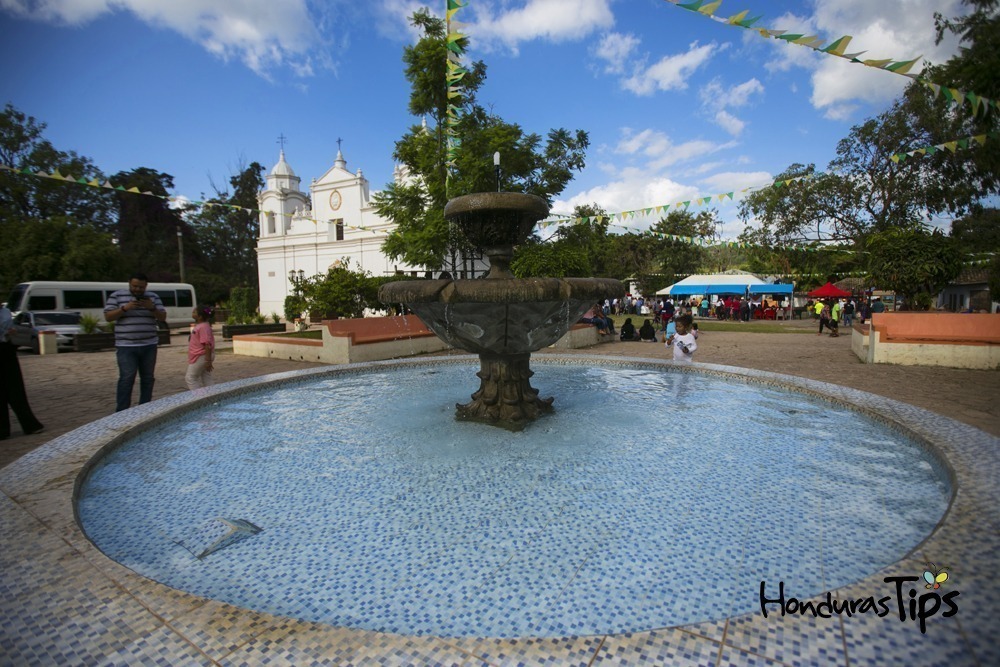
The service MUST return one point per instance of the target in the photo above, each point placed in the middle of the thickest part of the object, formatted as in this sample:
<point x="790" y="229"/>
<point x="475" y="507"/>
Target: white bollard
<point x="47" y="343"/>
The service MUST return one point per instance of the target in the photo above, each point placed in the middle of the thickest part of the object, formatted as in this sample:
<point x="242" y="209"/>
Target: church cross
<point x="281" y="140"/>
<point x="339" y="140"/>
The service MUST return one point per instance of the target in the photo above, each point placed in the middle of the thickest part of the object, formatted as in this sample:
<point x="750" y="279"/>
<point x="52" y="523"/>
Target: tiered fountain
<point x="501" y="318"/>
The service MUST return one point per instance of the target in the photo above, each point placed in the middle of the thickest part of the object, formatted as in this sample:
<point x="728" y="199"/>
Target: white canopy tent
<point x="715" y="283"/>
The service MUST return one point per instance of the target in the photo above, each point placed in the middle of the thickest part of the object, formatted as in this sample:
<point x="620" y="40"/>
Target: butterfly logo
<point x="935" y="576"/>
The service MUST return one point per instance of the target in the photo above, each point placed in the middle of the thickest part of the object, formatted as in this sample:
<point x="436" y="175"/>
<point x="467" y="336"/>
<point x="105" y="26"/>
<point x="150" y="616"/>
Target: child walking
<point x="201" y="349"/>
<point x="683" y="342"/>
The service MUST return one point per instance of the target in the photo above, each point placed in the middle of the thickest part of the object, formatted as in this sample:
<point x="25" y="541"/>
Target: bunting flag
<point x="692" y="240"/>
<point x="967" y="142"/>
<point x="700" y="201"/>
<point x="175" y="199"/>
<point x="453" y="76"/>
<point x="838" y="48"/>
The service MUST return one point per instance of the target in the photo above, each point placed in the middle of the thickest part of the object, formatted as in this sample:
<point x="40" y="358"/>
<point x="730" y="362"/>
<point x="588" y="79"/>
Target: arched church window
<point x="340" y="229"/>
<point x="270" y="222"/>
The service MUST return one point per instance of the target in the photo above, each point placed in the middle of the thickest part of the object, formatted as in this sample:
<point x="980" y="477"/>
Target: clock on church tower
<point x="336" y="200"/>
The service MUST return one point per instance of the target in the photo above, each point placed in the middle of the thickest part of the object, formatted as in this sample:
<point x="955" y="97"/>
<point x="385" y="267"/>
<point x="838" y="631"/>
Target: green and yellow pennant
<point x="951" y="146"/>
<point x="454" y="74"/>
<point x="838" y="48"/>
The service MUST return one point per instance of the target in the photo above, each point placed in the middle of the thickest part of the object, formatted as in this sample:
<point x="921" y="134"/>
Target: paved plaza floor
<point x="63" y="602"/>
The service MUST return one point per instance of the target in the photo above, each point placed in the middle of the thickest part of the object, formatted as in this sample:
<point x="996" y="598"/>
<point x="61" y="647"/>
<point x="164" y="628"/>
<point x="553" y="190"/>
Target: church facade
<point x="303" y="234"/>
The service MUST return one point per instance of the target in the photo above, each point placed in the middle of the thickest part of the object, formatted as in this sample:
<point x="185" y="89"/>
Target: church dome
<point x="282" y="168"/>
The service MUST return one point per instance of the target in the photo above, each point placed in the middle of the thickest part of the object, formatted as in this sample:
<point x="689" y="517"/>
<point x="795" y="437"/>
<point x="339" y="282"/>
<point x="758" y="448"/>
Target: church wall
<point x="312" y="247"/>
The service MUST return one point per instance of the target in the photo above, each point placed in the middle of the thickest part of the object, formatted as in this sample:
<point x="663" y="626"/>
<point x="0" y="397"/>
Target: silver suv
<point x="27" y="325"/>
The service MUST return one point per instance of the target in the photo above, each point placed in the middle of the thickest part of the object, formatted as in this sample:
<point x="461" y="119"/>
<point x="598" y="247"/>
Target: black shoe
<point x="32" y="431"/>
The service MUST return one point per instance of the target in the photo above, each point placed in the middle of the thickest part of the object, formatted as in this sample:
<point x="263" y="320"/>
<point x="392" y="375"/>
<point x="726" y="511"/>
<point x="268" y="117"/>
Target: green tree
<point x="974" y="68"/>
<point x="24" y="197"/>
<point x="550" y="260"/>
<point x="50" y="230"/>
<point x="342" y="292"/>
<point x="416" y="203"/>
<point x="148" y="227"/>
<point x="226" y="237"/>
<point x="914" y="263"/>
<point x="979" y="234"/>
<point x="679" y="257"/>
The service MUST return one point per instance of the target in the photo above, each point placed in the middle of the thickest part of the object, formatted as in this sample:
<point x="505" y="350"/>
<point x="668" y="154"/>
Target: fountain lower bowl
<point x="501" y="316"/>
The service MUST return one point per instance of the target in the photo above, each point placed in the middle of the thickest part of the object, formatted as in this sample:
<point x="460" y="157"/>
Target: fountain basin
<point x="447" y="528"/>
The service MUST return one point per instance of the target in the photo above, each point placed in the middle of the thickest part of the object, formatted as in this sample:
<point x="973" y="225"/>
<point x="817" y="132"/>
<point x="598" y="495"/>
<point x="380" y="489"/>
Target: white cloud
<point x="393" y="19"/>
<point x="729" y="123"/>
<point x="716" y="98"/>
<point x="661" y="152"/>
<point x="262" y="33"/>
<point x="615" y="49"/>
<point x="729" y="181"/>
<point x="633" y="189"/>
<point x="898" y="29"/>
<point x="670" y="72"/>
<point x="554" y="20"/>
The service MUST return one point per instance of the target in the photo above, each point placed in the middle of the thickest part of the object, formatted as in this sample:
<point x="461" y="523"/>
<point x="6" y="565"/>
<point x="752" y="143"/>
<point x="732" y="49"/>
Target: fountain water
<point x="501" y="318"/>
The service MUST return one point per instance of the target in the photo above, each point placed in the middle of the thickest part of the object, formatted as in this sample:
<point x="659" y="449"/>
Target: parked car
<point x="27" y="325"/>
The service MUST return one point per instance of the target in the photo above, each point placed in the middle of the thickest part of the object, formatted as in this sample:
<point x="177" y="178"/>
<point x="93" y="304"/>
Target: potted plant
<point x="244" y="318"/>
<point x="92" y="337"/>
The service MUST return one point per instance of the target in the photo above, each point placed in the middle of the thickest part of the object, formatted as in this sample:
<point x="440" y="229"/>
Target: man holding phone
<point x="135" y="313"/>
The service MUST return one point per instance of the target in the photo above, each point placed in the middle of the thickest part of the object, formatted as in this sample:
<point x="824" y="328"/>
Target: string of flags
<point x="691" y="240"/>
<point x="686" y="204"/>
<point x="838" y="48"/>
<point x="454" y="75"/>
<point x="174" y="199"/>
<point x="952" y="146"/>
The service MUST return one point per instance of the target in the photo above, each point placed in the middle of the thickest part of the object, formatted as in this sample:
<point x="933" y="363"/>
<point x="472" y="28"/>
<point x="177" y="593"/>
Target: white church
<point x="303" y="234"/>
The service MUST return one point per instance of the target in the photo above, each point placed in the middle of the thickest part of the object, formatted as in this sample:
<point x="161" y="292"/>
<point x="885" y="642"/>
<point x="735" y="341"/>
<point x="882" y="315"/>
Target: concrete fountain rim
<point x="55" y="470"/>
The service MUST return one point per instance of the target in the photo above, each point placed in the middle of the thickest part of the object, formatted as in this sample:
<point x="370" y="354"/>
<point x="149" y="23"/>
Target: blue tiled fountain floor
<point x="649" y="499"/>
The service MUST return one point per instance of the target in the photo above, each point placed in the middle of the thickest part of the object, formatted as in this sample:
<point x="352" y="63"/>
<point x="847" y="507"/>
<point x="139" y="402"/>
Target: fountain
<point x="501" y="318"/>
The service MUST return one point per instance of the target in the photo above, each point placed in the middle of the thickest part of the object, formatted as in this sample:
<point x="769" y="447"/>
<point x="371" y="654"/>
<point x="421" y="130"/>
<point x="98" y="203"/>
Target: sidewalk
<point x="71" y="389"/>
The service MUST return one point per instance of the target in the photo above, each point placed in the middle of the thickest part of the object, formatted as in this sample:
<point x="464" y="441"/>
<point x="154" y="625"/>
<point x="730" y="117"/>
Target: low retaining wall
<point x="374" y="339"/>
<point x="348" y="341"/>
<point x="969" y="340"/>
<point x="580" y="335"/>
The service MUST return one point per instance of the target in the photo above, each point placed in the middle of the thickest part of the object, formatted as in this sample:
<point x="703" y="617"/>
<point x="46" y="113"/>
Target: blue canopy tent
<point x="782" y="288"/>
<point x="740" y="288"/>
<point x="687" y="290"/>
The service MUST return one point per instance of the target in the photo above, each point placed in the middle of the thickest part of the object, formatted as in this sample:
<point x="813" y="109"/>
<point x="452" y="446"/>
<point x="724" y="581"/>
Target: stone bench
<point x="931" y="339"/>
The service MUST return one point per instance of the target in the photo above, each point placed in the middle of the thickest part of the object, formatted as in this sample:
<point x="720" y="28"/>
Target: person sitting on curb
<point x="647" y="333"/>
<point x="628" y="330"/>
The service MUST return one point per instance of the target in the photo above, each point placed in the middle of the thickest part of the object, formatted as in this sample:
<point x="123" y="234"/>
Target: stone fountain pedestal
<point x="501" y="318"/>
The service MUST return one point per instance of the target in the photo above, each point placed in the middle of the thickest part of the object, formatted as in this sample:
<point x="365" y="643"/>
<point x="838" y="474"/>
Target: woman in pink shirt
<point x="201" y="350"/>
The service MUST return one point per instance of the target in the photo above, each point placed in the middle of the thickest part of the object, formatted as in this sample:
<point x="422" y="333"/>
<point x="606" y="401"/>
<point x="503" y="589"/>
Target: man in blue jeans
<point x="135" y="313"/>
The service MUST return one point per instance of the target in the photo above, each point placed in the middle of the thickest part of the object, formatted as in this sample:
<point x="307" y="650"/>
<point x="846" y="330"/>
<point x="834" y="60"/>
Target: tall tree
<point x="679" y="257"/>
<point x="576" y="250"/>
<point x="50" y="230"/>
<point x="226" y="237"/>
<point x="416" y="203"/>
<point x="147" y="227"/>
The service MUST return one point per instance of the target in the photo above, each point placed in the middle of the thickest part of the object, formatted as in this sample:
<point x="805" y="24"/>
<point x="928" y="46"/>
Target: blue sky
<point x="677" y="105"/>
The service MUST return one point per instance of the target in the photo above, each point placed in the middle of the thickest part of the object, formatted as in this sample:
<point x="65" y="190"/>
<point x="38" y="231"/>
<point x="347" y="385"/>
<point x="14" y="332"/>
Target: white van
<point x="88" y="298"/>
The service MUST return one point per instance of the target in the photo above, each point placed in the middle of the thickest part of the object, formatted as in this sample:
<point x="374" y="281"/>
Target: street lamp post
<point x="180" y="251"/>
